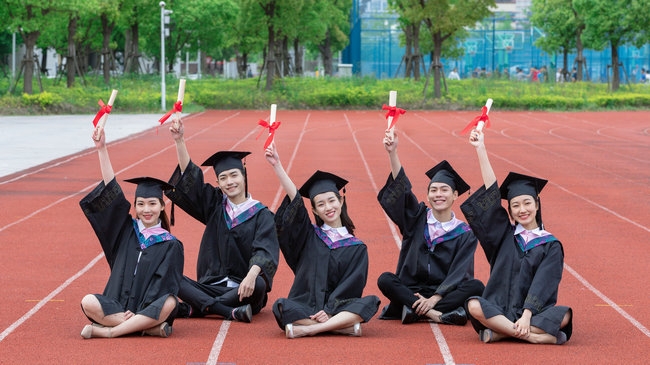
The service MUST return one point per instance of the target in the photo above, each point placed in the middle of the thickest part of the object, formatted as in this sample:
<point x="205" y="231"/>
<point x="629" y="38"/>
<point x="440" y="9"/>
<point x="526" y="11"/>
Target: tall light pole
<point x="163" y="14"/>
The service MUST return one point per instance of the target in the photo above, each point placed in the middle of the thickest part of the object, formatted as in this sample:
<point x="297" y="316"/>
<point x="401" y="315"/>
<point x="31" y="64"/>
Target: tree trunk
<point x="107" y="29"/>
<point x="70" y="63"/>
<point x="437" y="65"/>
<point x="417" y="56"/>
<point x="616" y="79"/>
<point x="44" y="60"/>
<point x="30" y="41"/>
<point x="270" y="59"/>
<point x="408" y="55"/>
<point x="565" y="59"/>
<point x="579" y="59"/>
<point x="286" y="57"/>
<point x="242" y="64"/>
<point x="131" y="49"/>
<point x="326" y="54"/>
<point x="297" y="57"/>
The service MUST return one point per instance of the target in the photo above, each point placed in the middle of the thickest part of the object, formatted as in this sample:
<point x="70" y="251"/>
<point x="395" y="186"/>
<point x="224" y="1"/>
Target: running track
<point x="596" y="202"/>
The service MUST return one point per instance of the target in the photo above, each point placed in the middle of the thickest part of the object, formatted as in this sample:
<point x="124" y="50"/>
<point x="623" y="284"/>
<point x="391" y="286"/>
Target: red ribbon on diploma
<point x="394" y="112"/>
<point x="271" y="128"/>
<point x="481" y="118"/>
<point x="105" y="109"/>
<point x="178" y="107"/>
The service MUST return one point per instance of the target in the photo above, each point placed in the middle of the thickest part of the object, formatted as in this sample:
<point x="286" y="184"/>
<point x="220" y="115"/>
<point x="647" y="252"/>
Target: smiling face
<point x="231" y="182"/>
<point x="148" y="210"/>
<point x="328" y="208"/>
<point x="523" y="209"/>
<point x="441" y="196"/>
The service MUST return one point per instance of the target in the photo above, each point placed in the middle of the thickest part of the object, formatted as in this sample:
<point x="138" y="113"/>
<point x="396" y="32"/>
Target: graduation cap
<point x="444" y="173"/>
<point x="518" y="184"/>
<point x="321" y="182"/>
<point x="226" y="160"/>
<point x="150" y="187"/>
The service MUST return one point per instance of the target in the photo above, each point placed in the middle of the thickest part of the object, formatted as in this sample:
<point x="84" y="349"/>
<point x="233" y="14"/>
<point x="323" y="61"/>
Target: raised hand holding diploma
<point x="393" y="112"/>
<point x="272" y="125"/>
<point x="102" y="114"/>
<point x="481" y="120"/>
<point x="178" y="105"/>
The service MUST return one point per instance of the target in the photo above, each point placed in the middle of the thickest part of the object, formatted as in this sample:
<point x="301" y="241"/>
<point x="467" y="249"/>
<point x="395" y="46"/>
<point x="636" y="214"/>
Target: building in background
<point x="505" y="40"/>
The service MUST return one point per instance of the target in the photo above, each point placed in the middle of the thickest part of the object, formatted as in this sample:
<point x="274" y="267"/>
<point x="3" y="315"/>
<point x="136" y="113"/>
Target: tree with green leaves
<point x="413" y="58"/>
<point x="248" y="34"/>
<point x="28" y="18"/>
<point x="614" y="23"/>
<point x="562" y="28"/>
<point x="444" y="20"/>
<point x="335" y="17"/>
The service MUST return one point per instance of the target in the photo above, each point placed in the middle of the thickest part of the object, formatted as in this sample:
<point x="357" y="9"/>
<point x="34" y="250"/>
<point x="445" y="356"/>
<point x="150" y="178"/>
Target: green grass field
<point x="142" y="94"/>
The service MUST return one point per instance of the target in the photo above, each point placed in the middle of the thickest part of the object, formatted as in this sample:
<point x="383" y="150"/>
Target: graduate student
<point x="435" y="269"/>
<point x="330" y="264"/>
<point x="525" y="260"/>
<point x="146" y="261"/>
<point x="239" y="250"/>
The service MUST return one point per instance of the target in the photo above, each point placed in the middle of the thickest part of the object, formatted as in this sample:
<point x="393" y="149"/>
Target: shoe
<point x="561" y="338"/>
<point x="162" y="330"/>
<point x="485" y="335"/>
<point x="184" y="310"/>
<point x="242" y="314"/>
<point x="408" y="316"/>
<point x="357" y="330"/>
<point x="456" y="317"/>
<point x="87" y="331"/>
<point x="288" y="330"/>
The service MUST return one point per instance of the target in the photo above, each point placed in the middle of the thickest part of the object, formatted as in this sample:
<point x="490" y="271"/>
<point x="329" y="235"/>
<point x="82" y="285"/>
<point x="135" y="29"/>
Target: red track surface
<point x="596" y="203"/>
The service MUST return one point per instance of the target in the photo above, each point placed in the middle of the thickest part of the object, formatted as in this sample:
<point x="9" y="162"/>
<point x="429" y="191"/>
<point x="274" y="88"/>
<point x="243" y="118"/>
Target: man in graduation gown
<point x="435" y="269"/>
<point x="239" y="250"/>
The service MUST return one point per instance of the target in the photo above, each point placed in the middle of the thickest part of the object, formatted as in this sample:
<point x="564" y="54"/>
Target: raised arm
<point x="177" y="131"/>
<point x="476" y="139"/>
<point x="99" y="137"/>
<point x="272" y="157"/>
<point x="390" y="144"/>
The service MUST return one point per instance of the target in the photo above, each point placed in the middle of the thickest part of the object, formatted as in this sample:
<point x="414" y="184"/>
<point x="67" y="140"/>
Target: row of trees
<point x="81" y="29"/>
<point x="573" y="25"/>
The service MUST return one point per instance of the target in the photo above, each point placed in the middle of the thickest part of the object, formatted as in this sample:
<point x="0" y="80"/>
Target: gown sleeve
<point x="293" y="229"/>
<point x="191" y="194"/>
<point x="461" y="266"/>
<point x="399" y="202"/>
<point x="544" y="287"/>
<point x="353" y="279"/>
<point x="107" y="210"/>
<point x="265" y="247"/>
<point x="488" y="219"/>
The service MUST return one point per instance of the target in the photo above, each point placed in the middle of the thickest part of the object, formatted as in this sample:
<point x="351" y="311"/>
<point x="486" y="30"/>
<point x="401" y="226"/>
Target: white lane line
<point x="92" y="150"/>
<point x="54" y="293"/>
<point x="278" y="194"/>
<point x="440" y="338"/>
<point x="575" y="273"/>
<point x="611" y="303"/>
<point x="92" y="263"/>
<point x="117" y="173"/>
<point x="557" y="185"/>
<point x="218" y="343"/>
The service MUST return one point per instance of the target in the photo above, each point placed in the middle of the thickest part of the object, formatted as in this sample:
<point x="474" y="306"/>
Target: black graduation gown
<point x="439" y="271"/>
<point x="517" y="280"/>
<point x="160" y="267"/>
<point x="326" y="279"/>
<point x="225" y="252"/>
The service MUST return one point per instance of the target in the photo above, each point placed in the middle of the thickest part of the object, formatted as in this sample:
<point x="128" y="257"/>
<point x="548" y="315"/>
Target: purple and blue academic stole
<point x="533" y="243"/>
<point x="340" y="243"/>
<point x="153" y="239"/>
<point x="460" y="229"/>
<point x="243" y="216"/>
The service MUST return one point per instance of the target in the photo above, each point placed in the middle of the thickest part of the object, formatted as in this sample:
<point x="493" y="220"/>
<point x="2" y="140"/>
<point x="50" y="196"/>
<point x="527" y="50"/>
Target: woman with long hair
<point x="330" y="264"/>
<point x="146" y="261"/>
<point x="526" y="261"/>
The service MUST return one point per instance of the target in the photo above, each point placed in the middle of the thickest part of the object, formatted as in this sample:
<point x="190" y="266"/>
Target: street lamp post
<point x="163" y="13"/>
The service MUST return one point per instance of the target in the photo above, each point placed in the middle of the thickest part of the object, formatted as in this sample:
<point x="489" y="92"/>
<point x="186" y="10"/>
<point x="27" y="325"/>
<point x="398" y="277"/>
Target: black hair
<point x="346" y="221"/>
